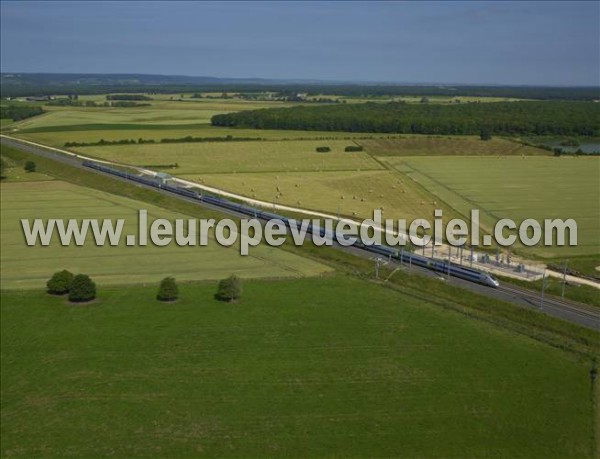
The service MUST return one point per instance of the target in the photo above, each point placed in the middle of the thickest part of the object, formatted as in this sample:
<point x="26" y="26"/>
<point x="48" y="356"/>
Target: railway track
<point x="586" y="312"/>
<point x="584" y="315"/>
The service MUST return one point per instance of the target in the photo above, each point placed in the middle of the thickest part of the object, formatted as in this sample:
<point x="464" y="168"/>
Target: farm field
<point x="57" y="136"/>
<point x="31" y="267"/>
<point x="257" y="168"/>
<point x="162" y="119"/>
<point x="447" y="146"/>
<point x="303" y="368"/>
<point x="234" y="157"/>
<point x="517" y="188"/>
<point x="167" y="113"/>
<point x="348" y="193"/>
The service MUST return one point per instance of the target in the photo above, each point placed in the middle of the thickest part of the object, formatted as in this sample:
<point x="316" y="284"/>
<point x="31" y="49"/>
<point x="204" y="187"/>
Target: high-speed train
<point x="442" y="266"/>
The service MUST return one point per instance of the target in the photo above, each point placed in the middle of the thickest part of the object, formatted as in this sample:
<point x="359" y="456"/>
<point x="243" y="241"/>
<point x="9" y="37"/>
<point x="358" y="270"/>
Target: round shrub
<point x="168" y="290"/>
<point x="82" y="289"/>
<point x="60" y="282"/>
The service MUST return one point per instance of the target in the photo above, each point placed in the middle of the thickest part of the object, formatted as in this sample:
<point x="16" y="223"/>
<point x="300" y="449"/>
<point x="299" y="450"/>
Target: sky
<point x="514" y="43"/>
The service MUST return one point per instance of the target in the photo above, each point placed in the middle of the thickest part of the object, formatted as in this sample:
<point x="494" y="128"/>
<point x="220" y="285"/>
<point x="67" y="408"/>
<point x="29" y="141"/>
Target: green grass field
<point x="331" y="367"/>
<point x="447" y="146"/>
<point x="30" y="267"/>
<point x="234" y="157"/>
<point x="517" y="188"/>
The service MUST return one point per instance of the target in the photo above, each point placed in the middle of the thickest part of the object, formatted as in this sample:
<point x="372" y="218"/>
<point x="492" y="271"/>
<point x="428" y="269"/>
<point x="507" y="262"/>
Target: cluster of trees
<point x="127" y="97"/>
<point x="127" y="104"/>
<point x="141" y="141"/>
<point x="229" y="289"/>
<point x="30" y="166"/>
<point x="81" y="289"/>
<point x="502" y="118"/>
<point x="19" y="112"/>
<point x="73" y="102"/>
<point x="3" y="167"/>
<point x="227" y="138"/>
<point x="353" y="148"/>
<point x="578" y="152"/>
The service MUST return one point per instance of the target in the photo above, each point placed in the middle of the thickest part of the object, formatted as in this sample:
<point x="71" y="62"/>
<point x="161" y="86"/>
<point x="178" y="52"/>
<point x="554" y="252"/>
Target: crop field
<point x="304" y="368"/>
<point x="354" y="194"/>
<point x="57" y="136"/>
<point x="162" y="119"/>
<point x="234" y="157"/>
<point x="447" y="146"/>
<point x="517" y="188"/>
<point x="31" y="267"/>
<point x="351" y="184"/>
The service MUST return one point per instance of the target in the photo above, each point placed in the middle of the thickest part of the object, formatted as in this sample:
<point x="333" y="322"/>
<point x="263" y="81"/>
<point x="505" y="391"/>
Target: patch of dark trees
<point x="19" y="112"/>
<point x="141" y="141"/>
<point x="560" y="118"/>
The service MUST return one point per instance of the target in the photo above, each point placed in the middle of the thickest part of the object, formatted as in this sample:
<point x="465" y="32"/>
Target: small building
<point x="162" y="178"/>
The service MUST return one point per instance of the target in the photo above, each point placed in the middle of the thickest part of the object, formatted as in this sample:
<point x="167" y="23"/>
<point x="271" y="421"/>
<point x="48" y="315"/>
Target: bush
<point x="60" y="282"/>
<point x="168" y="290"/>
<point x="485" y="134"/>
<point x="323" y="149"/>
<point x="354" y="148"/>
<point x="3" y="167"/>
<point x="230" y="289"/>
<point x="30" y="166"/>
<point x="82" y="289"/>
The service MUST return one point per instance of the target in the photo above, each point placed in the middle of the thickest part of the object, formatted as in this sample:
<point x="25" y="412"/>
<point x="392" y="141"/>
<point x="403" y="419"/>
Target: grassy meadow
<point x="304" y="368"/>
<point x="447" y="146"/>
<point x="517" y="188"/>
<point x="234" y="157"/>
<point x="31" y="267"/>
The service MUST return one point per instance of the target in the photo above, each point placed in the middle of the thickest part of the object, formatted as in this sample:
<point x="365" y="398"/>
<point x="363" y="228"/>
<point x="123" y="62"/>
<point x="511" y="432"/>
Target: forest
<point x="19" y="112"/>
<point x="40" y="84"/>
<point x="502" y="118"/>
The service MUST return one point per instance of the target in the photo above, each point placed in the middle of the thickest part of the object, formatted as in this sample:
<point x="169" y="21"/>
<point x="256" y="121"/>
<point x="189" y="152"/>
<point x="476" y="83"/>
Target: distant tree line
<point x="127" y="104"/>
<point x="564" y="118"/>
<point x="127" y="97"/>
<point x="141" y="141"/>
<point x="19" y="112"/>
<point x="64" y="102"/>
<point x="18" y="85"/>
<point x="74" y="102"/>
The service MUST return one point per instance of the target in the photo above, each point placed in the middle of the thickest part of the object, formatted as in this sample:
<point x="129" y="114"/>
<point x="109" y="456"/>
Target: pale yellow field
<point x="30" y="267"/>
<point x="353" y="194"/>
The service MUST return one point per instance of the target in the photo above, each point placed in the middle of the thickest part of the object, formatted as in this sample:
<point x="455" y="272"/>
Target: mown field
<point x="348" y="193"/>
<point x="234" y="157"/>
<point x="31" y="267"/>
<point x="501" y="178"/>
<point x="304" y="368"/>
<point x="447" y="146"/>
<point x="517" y="188"/>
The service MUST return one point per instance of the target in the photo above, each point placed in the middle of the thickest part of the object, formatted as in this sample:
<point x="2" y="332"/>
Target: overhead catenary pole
<point x="564" y="278"/>
<point x="543" y="287"/>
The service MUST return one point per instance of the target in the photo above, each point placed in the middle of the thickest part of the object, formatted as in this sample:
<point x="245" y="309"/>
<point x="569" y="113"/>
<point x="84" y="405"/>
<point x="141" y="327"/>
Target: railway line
<point x="584" y="315"/>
